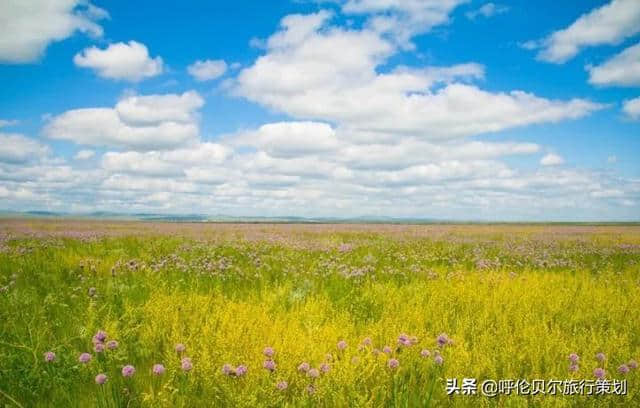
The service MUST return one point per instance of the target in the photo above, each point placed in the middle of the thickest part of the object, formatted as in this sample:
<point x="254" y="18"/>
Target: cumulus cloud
<point x="303" y="76"/>
<point x="402" y="19"/>
<point x="17" y="149"/>
<point x="606" y="25"/>
<point x="84" y="155"/>
<point x="127" y="61"/>
<point x="631" y="108"/>
<point x="486" y="10"/>
<point x="28" y="27"/>
<point x="622" y="69"/>
<point x="7" y="123"/>
<point x="551" y="159"/>
<point x="207" y="70"/>
<point x="148" y="122"/>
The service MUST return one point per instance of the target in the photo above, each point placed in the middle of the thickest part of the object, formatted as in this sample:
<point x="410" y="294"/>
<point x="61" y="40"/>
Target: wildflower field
<point x="115" y="314"/>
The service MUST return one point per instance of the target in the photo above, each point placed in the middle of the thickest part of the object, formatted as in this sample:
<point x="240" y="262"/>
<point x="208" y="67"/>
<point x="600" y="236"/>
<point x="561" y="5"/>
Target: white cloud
<point x="487" y="10"/>
<point x="28" y="27"/>
<point x="127" y="61"/>
<point x="138" y="122"/>
<point x="632" y="108"/>
<point x="606" y="25"/>
<point x="7" y="123"/>
<point x="303" y="76"/>
<point x="207" y="70"/>
<point x="622" y="69"/>
<point x="290" y="139"/>
<point x="551" y="159"/>
<point x="402" y="19"/>
<point x="84" y="155"/>
<point x="15" y="148"/>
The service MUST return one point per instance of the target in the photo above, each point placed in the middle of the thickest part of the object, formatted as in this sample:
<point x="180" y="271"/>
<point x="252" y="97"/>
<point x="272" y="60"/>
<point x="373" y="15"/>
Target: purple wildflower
<point x="99" y="337"/>
<point x="313" y="373"/>
<point x="599" y="373"/>
<point x="443" y="339"/>
<point x="282" y="385"/>
<point x="180" y="348"/>
<point x="633" y="364"/>
<point x="574" y="358"/>
<point x="386" y="350"/>
<point x="366" y="341"/>
<point x="404" y="340"/>
<point x="268" y="352"/>
<point x="241" y="370"/>
<point x="623" y="369"/>
<point x="573" y="367"/>
<point x="425" y="353"/>
<point x="158" y="369"/>
<point x="49" y="356"/>
<point x="601" y="357"/>
<point x="342" y="345"/>
<point x="101" y="379"/>
<point x="269" y="365"/>
<point x="84" y="358"/>
<point x="438" y="359"/>
<point x="324" y="367"/>
<point x="227" y="369"/>
<point x="186" y="364"/>
<point x="303" y="367"/>
<point x="98" y="347"/>
<point x="112" y="344"/>
<point x="128" y="371"/>
<point x="393" y="363"/>
<point x="311" y="389"/>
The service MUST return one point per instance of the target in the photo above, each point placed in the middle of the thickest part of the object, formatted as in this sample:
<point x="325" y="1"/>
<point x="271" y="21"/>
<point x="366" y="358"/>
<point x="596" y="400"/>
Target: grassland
<point x="513" y="301"/>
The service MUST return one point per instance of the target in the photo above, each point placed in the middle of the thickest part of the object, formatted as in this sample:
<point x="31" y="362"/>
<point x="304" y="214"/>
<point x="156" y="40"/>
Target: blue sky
<point x="419" y="108"/>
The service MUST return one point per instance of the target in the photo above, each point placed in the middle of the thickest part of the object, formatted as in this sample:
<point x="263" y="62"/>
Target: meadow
<point x="115" y="314"/>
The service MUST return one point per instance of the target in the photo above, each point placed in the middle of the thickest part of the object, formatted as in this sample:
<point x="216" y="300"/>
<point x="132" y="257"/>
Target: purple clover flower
<point x="313" y="373"/>
<point x="386" y="350"/>
<point x="282" y="385"/>
<point x="241" y="370"/>
<point x="49" y="356"/>
<point x="101" y="379"/>
<point x="268" y="352"/>
<point x="180" y="348"/>
<point x="623" y="369"/>
<point x="304" y="367"/>
<point x="425" y="353"/>
<point x="99" y="337"/>
<point x="599" y="373"/>
<point x="574" y="358"/>
<point x="438" y="359"/>
<point x="112" y="344"/>
<point x="269" y="365"/>
<point x="393" y="363"/>
<point x="601" y="357"/>
<point x="128" y="371"/>
<point x="443" y="340"/>
<point x="186" y="364"/>
<point x="227" y="369"/>
<point x="84" y="358"/>
<point x="324" y="368"/>
<point x="158" y="369"/>
<point x="633" y="364"/>
<point x="98" y="347"/>
<point x="342" y="345"/>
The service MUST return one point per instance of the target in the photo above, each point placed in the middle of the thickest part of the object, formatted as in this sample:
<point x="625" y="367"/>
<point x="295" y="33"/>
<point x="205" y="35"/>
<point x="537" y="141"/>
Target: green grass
<point x="515" y="304"/>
